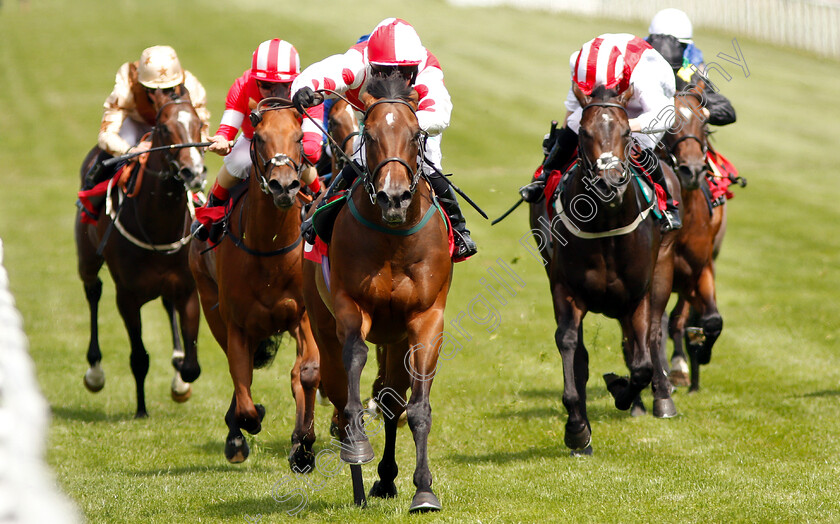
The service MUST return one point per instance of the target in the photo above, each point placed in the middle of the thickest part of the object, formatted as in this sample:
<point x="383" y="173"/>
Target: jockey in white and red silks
<point x="393" y="47"/>
<point x="274" y="65"/>
<point x="616" y="62"/>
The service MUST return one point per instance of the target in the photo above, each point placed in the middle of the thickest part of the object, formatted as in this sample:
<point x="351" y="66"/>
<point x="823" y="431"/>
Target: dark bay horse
<point x="611" y="260"/>
<point x="144" y="254"/>
<point x="389" y="275"/>
<point x="251" y="285"/>
<point x="696" y="244"/>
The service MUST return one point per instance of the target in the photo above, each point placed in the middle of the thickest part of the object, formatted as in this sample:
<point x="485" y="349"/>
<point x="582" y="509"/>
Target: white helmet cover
<point x="159" y="68"/>
<point x="672" y="22"/>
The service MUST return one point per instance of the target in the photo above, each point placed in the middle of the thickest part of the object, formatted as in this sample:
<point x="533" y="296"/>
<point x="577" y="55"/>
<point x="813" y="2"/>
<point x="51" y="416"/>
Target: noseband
<point x="278" y="160"/>
<point x="369" y="176"/>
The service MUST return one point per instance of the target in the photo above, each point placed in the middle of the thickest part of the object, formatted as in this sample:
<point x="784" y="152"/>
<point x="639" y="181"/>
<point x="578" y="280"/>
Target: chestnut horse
<point x="612" y="260"/>
<point x="696" y="244"/>
<point x="389" y="275"/>
<point x="145" y="255"/>
<point x="343" y="127"/>
<point x="251" y="285"/>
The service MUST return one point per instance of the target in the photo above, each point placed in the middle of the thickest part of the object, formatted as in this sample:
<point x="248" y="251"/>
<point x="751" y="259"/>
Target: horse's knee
<point x="139" y="361"/>
<point x="419" y="416"/>
<point x="93" y="291"/>
<point x="310" y="375"/>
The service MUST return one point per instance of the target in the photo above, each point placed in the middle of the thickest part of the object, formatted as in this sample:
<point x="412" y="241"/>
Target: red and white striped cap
<point x="275" y="61"/>
<point x="395" y="43"/>
<point x="600" y="62"/>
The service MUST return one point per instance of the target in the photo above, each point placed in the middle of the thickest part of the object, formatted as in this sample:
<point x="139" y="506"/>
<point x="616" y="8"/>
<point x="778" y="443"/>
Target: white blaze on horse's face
<point x="607" y="118"/>
<point x="185" y="119"/>
<point x="607" y="161"/>
<point x="389" y="119"/>
<point x="686" y="113"/>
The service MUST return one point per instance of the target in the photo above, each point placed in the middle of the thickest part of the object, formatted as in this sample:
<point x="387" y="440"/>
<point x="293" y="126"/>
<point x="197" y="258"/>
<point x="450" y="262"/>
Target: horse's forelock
<point x="602" y="94"/>
<point x="392" y="86"/>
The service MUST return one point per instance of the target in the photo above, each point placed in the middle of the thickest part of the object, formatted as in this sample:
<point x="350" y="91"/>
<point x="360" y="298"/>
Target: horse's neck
<point x="267" y="226"/>
<point x="607" y="214"/>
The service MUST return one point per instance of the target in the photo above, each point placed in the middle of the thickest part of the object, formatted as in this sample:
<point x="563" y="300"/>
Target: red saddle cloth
<point x="554" y="178"/>
<point x="724" y="172"/>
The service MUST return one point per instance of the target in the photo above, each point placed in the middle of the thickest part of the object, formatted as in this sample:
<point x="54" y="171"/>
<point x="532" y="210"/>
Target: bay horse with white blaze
<point x="613" y="261"/>
<point x="145" y="255"/>
<point x="696" y="243"/>
<point x="389" y="275"/>
<point x="251" y="285"/>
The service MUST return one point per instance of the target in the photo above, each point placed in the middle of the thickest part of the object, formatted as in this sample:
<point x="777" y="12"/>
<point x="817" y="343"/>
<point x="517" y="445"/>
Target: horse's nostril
<point x="406" y="196"/>
<point x="294" y="185"/>
<point x="382" y="198"/>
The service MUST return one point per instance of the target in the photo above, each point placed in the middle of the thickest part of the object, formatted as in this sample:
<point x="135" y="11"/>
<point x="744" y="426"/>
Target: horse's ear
<point x="625" y="97"/>
<point x="368" y="99"/>
<point x="583" y="99"/>
<point x="415" y="98"/>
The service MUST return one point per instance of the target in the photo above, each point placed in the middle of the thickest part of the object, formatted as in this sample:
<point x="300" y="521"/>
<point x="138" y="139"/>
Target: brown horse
<point x="611" y="260"/>
<point x="389" y="275"/>
<point x="696" y="243"/>
<point x="343" y="128"/>
<point x="251" y="285"/>
<point x="144" y="254"/>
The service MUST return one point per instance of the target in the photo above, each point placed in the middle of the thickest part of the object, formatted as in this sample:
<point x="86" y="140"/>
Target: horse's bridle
<point x="173" y="166"/>
<point x="368" y="176"/>
<point x="278" y="160"/>
<point x="670" y="149"/>
<point x="586" y="163"/>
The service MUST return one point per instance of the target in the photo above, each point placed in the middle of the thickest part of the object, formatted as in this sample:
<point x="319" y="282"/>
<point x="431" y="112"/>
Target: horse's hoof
<point x="638" y="409"/>
<point x="334" y="430"/>
<point x="664" y="408"/>
<point x="357" y="452"/>
<point x="383" y="491"/>
<point x="577" y="440"/>
<point x="423" y="502"/>
<point x="585" y="452"/>
<point x="301" y="460"/>
<point x="679" y="376"/>
<point x="141" y="414"/>
<point x="181" y="391"/>
<point x="236" y="450"/>
<point x="94" y="379"/>
<point x="617" y="386"/>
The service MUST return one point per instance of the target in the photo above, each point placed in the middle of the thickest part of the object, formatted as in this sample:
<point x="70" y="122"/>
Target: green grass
<point x="758" y="443"/>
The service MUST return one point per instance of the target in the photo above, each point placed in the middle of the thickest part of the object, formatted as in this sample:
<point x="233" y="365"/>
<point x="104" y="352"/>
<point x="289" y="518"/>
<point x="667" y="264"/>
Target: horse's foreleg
<point x="424" y="339"/>
<point x="352" y="325"/>
<point x="189" y="313"/>
<point x="306" y="376"/>
<point x="578" y="434"/>
<point x="94" y="376"/>
<point x="130" y="311"/>
<point x="710" y="319"/>
<point x="676" y="331"/>
<point x="241" y="365"/>
<point x="236" y="447"/>
<point x="389" y="394"/>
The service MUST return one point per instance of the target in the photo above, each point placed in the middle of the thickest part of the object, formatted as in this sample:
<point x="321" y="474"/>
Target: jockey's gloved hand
<point x="305" y="97"/>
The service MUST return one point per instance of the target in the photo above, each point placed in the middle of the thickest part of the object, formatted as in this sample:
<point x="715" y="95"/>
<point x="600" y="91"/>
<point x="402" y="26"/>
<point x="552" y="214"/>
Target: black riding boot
<point x="214" y="231"/>
<point x="559" y="147"/>
<point x="464" y="245"/>
<point x="343" y="180"/>
<point x="671" y="216"/>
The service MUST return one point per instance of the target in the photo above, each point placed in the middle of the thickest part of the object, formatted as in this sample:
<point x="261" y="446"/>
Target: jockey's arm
<point x="116" y="111"/>
<point x="719" y="107"/>
<point x="339" y="73"/>
<point x="434" y="107"/>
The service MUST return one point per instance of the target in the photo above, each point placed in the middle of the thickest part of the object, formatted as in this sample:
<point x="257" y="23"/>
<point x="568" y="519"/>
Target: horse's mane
<point x="392" y="87"/>
<point x="602" y="94"/>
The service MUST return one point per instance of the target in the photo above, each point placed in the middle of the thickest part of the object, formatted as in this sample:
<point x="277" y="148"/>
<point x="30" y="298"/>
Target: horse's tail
<point x="266" y="351"/>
